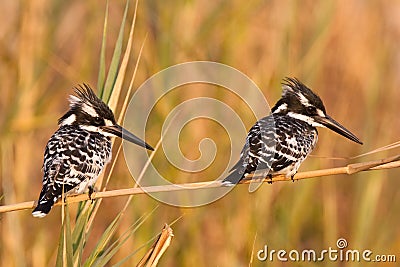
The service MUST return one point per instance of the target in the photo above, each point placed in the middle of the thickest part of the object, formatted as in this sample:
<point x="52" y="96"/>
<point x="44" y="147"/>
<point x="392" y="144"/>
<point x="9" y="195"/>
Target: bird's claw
<point x="91" y="190"/>
<point x="269" y="177"/>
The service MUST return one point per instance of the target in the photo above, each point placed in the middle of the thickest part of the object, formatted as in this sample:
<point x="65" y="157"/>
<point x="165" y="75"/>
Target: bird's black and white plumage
<point x="79" y="150"/>
<point x="279" y="143"/>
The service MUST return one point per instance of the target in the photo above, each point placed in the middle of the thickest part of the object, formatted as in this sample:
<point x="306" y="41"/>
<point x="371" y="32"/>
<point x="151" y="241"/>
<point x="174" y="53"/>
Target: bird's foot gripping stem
<point x="91" y="191"/>
<point x="269" y="177"/>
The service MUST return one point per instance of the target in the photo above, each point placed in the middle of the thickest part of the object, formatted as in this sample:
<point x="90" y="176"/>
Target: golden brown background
<point x="347" y="51"/>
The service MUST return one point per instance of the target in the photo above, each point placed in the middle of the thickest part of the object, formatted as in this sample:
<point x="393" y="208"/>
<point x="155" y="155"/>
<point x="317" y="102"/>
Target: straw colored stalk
<point x="387" y="163"/>
<point x="151" y="258"/>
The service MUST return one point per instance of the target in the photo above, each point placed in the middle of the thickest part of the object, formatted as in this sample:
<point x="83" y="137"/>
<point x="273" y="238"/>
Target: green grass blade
<point x="113" y="70"/>
<point x="81" y="208"/>
<point x="124" y="64"/>
<point x="102" y="63"/>
<point x="79" y="236"/>
<point x="65" y="243"/>
<point x="59" y="261"/>
<point x="68" y="237"/>
<point x="114" y="247"/>
<point x="150" y="241"/>
<point x="121" y="262"/>
<point x="106" y="257"/>
<point x="103" y="242"/>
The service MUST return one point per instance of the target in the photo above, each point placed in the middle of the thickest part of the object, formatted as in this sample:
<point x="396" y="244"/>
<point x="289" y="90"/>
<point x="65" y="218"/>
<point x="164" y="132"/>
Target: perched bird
<point x="279" y="143"/>
<point x="79" y="150"/>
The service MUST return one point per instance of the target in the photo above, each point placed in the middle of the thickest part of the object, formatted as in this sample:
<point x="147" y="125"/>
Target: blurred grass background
<point x="347" y="51"/>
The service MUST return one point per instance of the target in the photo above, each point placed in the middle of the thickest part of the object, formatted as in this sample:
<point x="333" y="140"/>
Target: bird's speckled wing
<point x="257" y="151"/>
<point x="73" y="158"/>
<point x="274" y="145"/>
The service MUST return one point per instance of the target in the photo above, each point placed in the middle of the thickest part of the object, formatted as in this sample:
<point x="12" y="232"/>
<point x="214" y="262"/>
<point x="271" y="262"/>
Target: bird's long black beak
<point x="125" y="134"/>
<point x="337" y="127"/>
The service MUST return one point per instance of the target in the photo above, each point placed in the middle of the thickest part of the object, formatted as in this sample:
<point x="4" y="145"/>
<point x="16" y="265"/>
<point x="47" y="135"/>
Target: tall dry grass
<point x="345" y="50"/>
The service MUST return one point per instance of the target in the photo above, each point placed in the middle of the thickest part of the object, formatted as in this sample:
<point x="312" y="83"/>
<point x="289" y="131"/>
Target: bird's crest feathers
<point x="293" y="87"/>
<point x="85" y="105"/>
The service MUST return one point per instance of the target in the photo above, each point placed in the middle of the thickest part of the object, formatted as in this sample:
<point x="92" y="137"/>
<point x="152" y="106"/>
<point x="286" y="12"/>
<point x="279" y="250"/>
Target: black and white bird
<point x="79" y="150"/>
<point x="279" y="143"/>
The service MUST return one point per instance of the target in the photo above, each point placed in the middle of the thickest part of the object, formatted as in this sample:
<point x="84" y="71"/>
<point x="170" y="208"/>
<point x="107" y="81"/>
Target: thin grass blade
<point x="59" y="260"/>
<point x="102" y="64"/>
<point x="122" y="70"/>
<point x="113" y="70"/>
<point x="114" y="247"/>
<point x="157" y="250"/>
<point x="64" y="253"/>
<point x="103" y="242"/>
<point x="79" y="236"/>
<point x="126" y="101"/>
<point x="68" y="238"/>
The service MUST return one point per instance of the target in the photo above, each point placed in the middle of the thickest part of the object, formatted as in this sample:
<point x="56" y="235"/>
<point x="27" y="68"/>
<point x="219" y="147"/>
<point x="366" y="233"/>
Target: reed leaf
<point x="116" y="245"/>
<point x="102" y="64"/>
<point x="103" y="242"/>
<point x="113" y="70"/>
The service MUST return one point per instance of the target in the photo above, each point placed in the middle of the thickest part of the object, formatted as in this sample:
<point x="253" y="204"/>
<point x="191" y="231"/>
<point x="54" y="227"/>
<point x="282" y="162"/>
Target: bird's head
<point x="299" y="102"/>
<point x="90" y="113"/>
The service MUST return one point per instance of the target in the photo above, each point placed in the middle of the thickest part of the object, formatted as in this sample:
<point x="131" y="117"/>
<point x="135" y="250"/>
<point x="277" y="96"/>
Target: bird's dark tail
<point x="43" y="208"/>
<point x="232" y="179"/>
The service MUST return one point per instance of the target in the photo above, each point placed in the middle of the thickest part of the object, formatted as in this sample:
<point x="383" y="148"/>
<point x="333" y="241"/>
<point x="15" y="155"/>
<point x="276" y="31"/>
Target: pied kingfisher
<point x="79" y="150"/>
<point x="278" y="143"/>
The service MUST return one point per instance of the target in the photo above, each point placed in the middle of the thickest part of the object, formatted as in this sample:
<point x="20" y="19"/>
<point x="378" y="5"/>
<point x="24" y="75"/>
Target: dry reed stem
<point x="151" y="258"/>
<point x="387" y="163"/>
